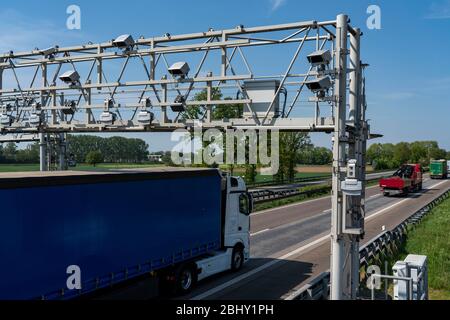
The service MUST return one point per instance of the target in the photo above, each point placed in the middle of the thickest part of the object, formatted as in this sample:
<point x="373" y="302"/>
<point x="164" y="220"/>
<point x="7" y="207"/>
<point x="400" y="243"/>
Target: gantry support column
<point x="355" y="211"/>
<point x="43" y="152"/>
<point x="62" y="152"/>
<point x="340" y="245"/>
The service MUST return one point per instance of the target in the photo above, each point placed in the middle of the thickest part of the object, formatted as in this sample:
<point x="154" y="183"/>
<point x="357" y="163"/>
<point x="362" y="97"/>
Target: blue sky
<point x="408" y="79"/>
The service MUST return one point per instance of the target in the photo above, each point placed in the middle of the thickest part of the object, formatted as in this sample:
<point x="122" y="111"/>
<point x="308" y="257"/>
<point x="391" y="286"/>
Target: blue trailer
<point x="101" y="229"/>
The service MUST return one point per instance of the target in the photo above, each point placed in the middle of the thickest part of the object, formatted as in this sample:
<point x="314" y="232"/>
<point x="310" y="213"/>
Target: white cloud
<point x="26" y="33"/>
<point x="439" y="10"/>
<point x="276" y="4"/>
<point x="399" y="96"/>
<point x="23" y="33"/>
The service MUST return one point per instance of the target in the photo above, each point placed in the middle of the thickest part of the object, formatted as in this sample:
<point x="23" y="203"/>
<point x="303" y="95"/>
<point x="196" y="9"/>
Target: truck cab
<point x="438" y="169"/>
<point x="237" y="205"/>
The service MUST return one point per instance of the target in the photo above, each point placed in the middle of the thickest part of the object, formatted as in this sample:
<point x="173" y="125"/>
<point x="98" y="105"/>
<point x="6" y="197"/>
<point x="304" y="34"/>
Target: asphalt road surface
<point x="290" y="245"/>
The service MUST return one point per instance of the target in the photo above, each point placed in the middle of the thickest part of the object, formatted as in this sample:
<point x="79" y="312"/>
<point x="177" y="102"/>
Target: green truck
<point x="438" y="169"/>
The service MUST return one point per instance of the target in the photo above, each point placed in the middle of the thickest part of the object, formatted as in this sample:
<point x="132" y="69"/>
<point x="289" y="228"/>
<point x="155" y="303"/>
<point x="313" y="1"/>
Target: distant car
<point x="72" y="163"/>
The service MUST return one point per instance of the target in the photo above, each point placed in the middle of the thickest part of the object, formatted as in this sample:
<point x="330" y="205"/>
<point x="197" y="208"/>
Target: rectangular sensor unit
<point x="262" y="93"/>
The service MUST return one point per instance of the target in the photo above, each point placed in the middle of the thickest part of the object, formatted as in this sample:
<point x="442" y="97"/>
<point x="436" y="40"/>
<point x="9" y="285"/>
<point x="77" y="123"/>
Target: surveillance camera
<point x="180" y="69"/>
<point x="49" y="52"/>
<point x="108" y="117"/>
<point x="179" y="104"/>
<point x="109" y="103"/>
<point x="320" y="57"/>
<point x="319" y="84"/>
<point x="35" y="119"/>
<point x="124" y="41"/>
<point x="6" y="120"/>
<point x="70" y="77"/>
<point x="70" y="107"/>
<point x="145" y="117"/>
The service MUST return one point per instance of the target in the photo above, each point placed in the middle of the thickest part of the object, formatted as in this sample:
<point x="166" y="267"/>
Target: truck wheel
<point x="237" y="258"/>
<point x="185" y="279"/>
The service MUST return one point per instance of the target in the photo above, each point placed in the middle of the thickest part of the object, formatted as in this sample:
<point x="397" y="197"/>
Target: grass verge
<point x="431" y="238"/>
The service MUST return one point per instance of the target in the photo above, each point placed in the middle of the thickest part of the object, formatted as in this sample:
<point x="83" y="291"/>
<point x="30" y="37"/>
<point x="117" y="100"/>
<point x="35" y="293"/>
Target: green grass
<point x="432" y="239"/>
<point x="113" y="166"/>
<point x="429" y="238"/>
<point x="18" y="167"/>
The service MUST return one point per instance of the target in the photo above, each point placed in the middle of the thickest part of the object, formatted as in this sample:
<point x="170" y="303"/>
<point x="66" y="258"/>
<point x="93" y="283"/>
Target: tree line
<point x="10" y="153"/>
<point x="112" y="150"/>
<point x="391" y="156"/>
<point x="83" y="148"/>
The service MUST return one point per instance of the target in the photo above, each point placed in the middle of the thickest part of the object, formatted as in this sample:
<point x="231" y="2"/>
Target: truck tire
<point x="185" y="278"/>
<point x="237" y="258"/>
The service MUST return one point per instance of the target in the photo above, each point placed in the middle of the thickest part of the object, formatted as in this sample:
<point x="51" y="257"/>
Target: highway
<point x="369" y="176"/>
<point x="290" y="244"/>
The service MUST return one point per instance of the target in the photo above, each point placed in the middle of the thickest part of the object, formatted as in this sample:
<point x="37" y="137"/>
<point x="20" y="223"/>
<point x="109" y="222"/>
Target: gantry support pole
<point x="355" y="212"/>
<point x="62" y="152"/>
<point x="339" y="244"/>
<point x="42" y="152"/>
<point x="42" y="136"/>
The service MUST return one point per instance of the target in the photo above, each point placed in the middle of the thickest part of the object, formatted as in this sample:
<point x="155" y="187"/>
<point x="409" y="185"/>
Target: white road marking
<point x="259" y="232"/>
<point x="260" y="268"/>
<point x="326" y="211"/>
<point x="289" y="254"/>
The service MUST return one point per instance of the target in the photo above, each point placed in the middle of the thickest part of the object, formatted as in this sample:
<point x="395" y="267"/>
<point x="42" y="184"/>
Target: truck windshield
<point x="404" y="172"/>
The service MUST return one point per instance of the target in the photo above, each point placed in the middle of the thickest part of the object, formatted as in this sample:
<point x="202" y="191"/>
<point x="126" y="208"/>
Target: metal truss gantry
<point x="127" y="85"/>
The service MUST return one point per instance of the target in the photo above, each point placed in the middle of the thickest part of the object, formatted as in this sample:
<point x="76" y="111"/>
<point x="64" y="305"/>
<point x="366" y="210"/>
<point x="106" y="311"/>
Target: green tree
<point x="94" y="157"/>
<point x="10" y="152"/>
<point x="402" y="153"/>
<point x="114" y="149"/>
<point x="290" y="145"/>
<point x="197" y="112"/>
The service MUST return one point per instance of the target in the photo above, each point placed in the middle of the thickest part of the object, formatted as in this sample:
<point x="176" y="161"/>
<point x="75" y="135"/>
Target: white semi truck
<point x="179" y="226"/>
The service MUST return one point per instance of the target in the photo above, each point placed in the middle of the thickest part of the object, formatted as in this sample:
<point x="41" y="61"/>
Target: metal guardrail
<point x="261" y="196"/>
<point x="265" y="195"/>
<point x="324" y="177"/>
<point x="319" y="287"/>
<point x="285" y="182"/>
